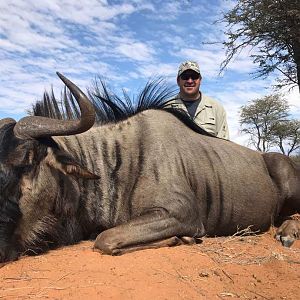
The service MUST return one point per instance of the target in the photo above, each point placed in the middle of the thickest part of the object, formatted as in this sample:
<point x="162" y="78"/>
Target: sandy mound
<point x="253" y="267"/>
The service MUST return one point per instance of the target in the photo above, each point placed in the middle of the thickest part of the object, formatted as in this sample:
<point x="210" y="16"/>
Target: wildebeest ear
<point x="65" y="163"/>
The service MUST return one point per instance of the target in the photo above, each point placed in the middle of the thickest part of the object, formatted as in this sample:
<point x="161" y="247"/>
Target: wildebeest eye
<point x="24" y="157"/>
<point x="22" y="169"/>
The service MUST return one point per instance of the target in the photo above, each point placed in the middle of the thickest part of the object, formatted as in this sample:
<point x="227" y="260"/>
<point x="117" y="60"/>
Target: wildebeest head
<point x="26" y="150"/>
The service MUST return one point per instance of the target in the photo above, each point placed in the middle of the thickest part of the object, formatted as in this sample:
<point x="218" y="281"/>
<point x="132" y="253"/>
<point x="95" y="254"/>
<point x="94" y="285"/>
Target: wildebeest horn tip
<point x="35" y="126"/>
<point x="62" y="77"/>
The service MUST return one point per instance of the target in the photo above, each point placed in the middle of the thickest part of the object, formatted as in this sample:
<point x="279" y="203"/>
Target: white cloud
<point x="158" y="69"/>
<point x="75" y="38"/>
<point x="136" y="51"/>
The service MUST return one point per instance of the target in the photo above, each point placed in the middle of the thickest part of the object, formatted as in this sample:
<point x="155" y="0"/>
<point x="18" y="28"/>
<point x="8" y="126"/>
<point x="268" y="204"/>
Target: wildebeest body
<point x="156" y="182"/>
<point x="199" y="180"/>
<point x="139" y="171"/>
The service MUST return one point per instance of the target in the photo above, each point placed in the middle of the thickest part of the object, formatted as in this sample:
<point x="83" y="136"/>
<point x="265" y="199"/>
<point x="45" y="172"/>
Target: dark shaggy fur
<point x="9" y="190"/>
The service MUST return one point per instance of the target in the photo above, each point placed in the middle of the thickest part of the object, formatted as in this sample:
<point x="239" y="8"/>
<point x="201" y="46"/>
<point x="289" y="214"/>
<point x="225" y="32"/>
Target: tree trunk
<point x="297" y="61"/>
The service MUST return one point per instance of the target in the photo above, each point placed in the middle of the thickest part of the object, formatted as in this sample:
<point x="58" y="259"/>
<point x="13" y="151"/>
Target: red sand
<point x="253" y="267"/>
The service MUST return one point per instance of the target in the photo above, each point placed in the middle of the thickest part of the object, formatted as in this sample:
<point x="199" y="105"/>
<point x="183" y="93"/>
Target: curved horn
<point x="6" y="121"/>
<point x="34" y="127"/>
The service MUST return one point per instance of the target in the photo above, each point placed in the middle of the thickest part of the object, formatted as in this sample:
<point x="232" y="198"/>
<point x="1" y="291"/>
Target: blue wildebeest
<point x="145" y="182"/>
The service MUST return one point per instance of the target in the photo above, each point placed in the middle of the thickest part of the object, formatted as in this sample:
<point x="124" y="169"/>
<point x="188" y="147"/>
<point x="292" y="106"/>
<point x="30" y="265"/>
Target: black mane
<point x="111" y="108"/>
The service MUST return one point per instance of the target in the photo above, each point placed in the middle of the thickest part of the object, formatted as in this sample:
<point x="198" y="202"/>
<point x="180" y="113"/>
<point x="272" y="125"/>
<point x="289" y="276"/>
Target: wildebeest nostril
<point x="286" y="241"/>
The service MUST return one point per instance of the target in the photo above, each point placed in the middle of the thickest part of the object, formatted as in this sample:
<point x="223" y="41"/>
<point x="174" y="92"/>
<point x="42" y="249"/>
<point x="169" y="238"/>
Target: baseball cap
<point x="188" y="65"/>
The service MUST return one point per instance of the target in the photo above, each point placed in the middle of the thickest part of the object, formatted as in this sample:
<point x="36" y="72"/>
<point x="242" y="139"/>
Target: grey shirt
<point x="191" y="106"/>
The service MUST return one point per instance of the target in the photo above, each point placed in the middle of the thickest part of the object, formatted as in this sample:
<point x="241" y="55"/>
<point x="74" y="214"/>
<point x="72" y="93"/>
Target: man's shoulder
<point x="209" y="101"/>
<point x="174" y="100"/>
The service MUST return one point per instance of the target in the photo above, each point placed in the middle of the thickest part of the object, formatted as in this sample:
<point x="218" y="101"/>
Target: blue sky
<point x="126" y="42"/>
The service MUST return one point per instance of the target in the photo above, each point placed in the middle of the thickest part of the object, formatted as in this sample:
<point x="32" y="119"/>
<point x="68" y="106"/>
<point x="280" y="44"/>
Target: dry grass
<point x="226" y="249"/>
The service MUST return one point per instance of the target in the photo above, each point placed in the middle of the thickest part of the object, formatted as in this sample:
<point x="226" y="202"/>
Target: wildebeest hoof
<point x="104" y="243"/>
<point x="288" y="232"/>
<point x="113" y="252"/>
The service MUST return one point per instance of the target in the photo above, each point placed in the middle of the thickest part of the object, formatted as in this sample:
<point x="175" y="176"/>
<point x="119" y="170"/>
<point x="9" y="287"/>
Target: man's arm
<point x="222" y="129"/>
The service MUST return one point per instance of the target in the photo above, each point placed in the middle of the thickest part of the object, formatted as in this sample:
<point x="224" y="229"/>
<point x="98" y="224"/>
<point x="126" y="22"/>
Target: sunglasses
<point x="194" y="76"/>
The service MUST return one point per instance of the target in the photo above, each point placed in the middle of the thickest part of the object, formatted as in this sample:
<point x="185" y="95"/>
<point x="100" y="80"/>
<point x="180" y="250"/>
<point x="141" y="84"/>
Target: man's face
<point x="189" y="83"/>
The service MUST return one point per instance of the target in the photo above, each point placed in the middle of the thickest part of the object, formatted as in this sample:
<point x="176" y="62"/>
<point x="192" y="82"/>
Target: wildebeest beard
<point x="52" y="225"/>
<point x="9" y="196"/>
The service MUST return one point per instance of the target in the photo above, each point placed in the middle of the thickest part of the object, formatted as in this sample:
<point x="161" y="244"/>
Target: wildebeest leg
<point x="152" y="230"/>
<point x="286" y="176"/>
<point x="288" y="232"/>
<point x="170" y="242"/>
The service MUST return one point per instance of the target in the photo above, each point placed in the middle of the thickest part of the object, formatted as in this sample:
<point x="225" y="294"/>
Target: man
<point x="205" y="111"/>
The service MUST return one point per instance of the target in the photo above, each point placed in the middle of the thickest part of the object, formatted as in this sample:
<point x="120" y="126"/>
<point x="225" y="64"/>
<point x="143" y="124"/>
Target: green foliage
<point x="266" y="121"/>
<point x="286" y="135"/>
<point x="272" y="28"/>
